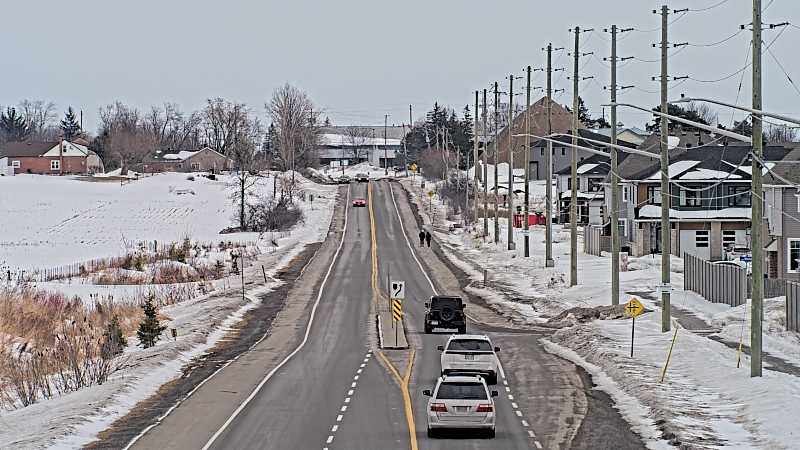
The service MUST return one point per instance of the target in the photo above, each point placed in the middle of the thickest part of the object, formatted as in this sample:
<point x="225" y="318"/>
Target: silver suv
<point x="462" y="402"/>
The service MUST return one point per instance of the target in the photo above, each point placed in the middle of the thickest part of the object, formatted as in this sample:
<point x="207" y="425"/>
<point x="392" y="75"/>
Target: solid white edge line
<point x="296" y="350"/>
<point x="410" y="247"/>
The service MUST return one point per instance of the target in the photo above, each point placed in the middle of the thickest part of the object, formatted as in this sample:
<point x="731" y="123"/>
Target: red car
<point x="359" y="203"/>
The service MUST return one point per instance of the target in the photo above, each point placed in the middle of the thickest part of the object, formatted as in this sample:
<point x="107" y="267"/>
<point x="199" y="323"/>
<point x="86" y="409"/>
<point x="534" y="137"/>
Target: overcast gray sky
<point x="361" y="59"/>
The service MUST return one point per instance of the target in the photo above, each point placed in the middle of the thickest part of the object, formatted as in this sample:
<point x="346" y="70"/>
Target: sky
<point x="361" y="59"/>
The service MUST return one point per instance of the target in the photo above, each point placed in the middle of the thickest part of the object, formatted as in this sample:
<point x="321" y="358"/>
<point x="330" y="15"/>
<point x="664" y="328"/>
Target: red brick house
<point x="49" y="158"/>
<point x="204" y="160"/>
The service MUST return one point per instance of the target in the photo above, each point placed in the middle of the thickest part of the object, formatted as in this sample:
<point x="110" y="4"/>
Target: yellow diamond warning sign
<point x="634" y="307"/>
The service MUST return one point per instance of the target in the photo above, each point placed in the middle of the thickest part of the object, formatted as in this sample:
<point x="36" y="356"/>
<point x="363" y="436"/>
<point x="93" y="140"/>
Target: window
<point x="563" y="151"/>
<point x="654" y="195"/>
<point x="569" y="184"/>
<point x="15" y="164"/>
<point x="622" y="225"/>
<point x="543" y="152"/>
<point x="728" y="238"/>
<point x="55" y="164"/>
<point x="701" y="239"/>
<point x="739" y="196"/>
<point x="625" y="194"/>
<point x="196" y="166"/>
<point x="461" y="391"/>
<point x="690" y="198"/>
<point x="793" y="253"/>
<point x="595" y="184"/>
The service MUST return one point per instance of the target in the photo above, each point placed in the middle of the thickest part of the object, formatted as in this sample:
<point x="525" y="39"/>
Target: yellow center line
<point x="401" y="381"/>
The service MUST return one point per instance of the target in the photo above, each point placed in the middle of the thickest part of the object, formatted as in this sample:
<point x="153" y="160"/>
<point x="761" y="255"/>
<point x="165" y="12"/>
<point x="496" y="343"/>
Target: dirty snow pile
<point x="705" y="400"/>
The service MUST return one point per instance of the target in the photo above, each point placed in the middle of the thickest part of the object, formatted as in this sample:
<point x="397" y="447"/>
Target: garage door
<point x="696" y="243"/>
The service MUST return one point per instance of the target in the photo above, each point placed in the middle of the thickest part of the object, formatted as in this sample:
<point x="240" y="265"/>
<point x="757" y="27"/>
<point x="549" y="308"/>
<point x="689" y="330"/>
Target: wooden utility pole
<point x="614" y="177"/>
<point x="485" y="171"/>
<point x="756" y="308"/>
<point x="475" y="158"/>
<point x="496" y="196"/>
<point x="527" y="162"/>
<point x="548" y="162"/>
<point x="385" y="149"/>
<point x="573" y="204"/>
<point x="510" y="202"/>
<point x="665" y="197"/>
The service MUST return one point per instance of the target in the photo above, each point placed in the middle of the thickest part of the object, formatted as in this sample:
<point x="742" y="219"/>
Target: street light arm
<point x="742" y="108"/>
<point x="699" y="125"/>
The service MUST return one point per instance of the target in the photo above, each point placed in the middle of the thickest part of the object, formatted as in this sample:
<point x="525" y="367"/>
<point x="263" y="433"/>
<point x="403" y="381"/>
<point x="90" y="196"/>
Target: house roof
<point x="27" y="148"/>
<point x="711" y="162"/>
<point x="392" y="132"/>
<point x="342" y="140"/>
<point x="182" y="155"/>
<point x="595" y="165"/>
<point x="789" y="170"/>
<point x="650" y="212"/>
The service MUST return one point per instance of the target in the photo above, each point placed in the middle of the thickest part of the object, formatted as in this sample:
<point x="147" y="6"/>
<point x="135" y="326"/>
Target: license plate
<point x="434" y="322"/>
<point x="469" y="357"/>
<point x="461" y="409"/>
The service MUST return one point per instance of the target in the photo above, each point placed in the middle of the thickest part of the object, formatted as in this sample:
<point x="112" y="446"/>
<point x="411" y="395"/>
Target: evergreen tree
<point x="327" y="121"/>
<point x="675" y="110"/>
<point x="13" y="126"/>
<point x="114" y="341"/>
<point x="70" y="126"/>
<point x="149" y="328"/>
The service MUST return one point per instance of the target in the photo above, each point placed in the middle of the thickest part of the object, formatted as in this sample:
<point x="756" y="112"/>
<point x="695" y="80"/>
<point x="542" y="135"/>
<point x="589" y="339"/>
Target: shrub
<point x="273" y="216"/>
<point x="150" y="328"/>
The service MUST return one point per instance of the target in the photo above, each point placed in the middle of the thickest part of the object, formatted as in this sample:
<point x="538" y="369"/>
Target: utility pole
<point x="485" y="171"/>
<point x="510" y="202"/>
<point x="756" y="308"/>
<point x="573" y="204"/>
<point x="410" y="127"/>
<point x="548" y="162"/>
<point x="496" y="196"/>
<point x="665" y="197"/>
<point x="385" y="150"/>
<point x="527" y="162"/>
<point x="475" y="158"/>
<point x="614" y="175"/>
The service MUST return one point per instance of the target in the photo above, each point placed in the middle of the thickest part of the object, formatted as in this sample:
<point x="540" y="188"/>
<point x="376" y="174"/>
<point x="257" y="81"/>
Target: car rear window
<point x="442" y="302"/>
<point x="474" y="345"/>
<point x="461" y="391"/>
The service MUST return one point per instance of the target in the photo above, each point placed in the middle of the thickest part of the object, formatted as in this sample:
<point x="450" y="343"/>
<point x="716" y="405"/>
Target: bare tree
<point x="357" y="138"/>
<point x="703" y="111"/>
<point x="123" y="136"/>
<point x="298" y="135"/>
<point x="222" y="122"/>
<point x="245" y="144"/>
<point x="781" y="134"/>
<point x="41" y="118"/>
<point x="171" y="129"/>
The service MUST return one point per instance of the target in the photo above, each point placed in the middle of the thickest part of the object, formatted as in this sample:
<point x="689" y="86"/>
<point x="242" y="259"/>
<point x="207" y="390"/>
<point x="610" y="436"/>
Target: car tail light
<point x="438" y="407"/>
<point x="486" y="407"/>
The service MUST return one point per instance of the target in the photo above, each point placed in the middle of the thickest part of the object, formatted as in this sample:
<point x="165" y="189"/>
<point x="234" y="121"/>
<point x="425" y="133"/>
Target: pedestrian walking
<point x="428" y="238"/>
<point x="422" y="238"/>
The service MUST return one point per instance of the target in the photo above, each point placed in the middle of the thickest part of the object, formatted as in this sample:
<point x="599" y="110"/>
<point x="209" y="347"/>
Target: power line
<point x="708" y="8"/>
<point x="714" y="44"/>
<point x="788" y="77"/>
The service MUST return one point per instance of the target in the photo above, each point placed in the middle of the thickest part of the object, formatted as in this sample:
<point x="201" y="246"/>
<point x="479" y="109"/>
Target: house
<point x="709" y="194"/>
<point x="631" y="135"/>
<point x="782" y="214"/>
<point x="560" y="122"/>
<point x="204" y="160"/>
<point x="339" y="147"/>
<point x="562" y="154"/>
<point x="50" y="158"/>
<point x="593" y="175"/>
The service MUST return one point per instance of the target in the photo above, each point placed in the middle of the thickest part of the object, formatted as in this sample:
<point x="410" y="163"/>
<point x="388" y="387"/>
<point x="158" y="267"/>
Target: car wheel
<point x="431" y="433"/>
<point x="490" y="434"/>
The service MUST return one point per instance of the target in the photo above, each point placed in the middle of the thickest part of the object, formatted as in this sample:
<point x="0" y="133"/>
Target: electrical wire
<point x="714" y="44"/>
<point x="788" y="77"/>
<point x="711" y="7"/>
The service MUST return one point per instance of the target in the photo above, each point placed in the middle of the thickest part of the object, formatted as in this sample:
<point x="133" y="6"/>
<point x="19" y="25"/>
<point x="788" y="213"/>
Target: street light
<point x="758" y="112"/>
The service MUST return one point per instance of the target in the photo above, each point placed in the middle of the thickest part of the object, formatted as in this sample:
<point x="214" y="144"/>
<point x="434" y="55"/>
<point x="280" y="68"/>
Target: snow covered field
<point x="52" y="221"/>
<point x="75" y="220"/>
<point x="705" y="401"/>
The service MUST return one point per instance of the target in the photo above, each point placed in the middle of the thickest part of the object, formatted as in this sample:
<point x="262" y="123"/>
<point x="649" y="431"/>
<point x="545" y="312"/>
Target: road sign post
<point x="632" y="309"/>
<point x="398" y="294"/>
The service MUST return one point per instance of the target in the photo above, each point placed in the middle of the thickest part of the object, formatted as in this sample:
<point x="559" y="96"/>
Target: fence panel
<point x="715" y="283"/>
<point x="792" y="306"/>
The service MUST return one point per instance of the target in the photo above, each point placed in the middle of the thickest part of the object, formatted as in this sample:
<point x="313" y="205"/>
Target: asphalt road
<point x="338" y="391"/>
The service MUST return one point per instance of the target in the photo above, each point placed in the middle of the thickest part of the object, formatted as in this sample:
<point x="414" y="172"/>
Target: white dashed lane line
<point x="347" y="399"/>
<point x="518" y="412"/>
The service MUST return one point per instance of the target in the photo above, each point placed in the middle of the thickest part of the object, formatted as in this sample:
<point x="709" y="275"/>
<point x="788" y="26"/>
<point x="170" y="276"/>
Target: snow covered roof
<point x="583" y="168"/>
<point x="675" y="169"/>
<point x="584" y="195"/>
<point x="725" y="214"/>
<point x="183" y="155"/>
<point x="69" y="149"/>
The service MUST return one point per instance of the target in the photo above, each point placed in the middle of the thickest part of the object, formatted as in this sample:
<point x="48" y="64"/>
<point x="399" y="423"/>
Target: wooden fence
<point x="716" y="283"/>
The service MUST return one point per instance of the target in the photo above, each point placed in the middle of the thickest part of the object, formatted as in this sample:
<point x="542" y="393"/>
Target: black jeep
<point x="445" y="312"/>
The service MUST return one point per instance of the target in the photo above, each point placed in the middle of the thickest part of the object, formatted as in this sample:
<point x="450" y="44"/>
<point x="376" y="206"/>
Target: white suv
<point x="470" y="353"/>
<point x="463" y="402"/>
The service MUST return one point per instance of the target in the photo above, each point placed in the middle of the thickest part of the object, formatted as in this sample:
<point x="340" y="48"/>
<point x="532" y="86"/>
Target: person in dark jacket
<point x="422" y="238"/>
<point x="428" y="238"/>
